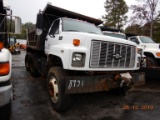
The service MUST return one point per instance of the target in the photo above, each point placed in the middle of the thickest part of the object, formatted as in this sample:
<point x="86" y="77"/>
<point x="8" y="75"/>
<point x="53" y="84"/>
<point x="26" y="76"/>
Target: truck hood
<point x="84" y="37"/>
<point x="151" y="46"/>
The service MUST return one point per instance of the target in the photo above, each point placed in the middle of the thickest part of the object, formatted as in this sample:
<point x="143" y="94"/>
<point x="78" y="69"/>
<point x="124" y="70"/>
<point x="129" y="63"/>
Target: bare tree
<point x="145" y="13"/>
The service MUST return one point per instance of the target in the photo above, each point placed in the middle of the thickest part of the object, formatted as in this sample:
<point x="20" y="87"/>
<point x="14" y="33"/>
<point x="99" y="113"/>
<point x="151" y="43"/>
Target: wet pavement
<point x="32" y="102"/>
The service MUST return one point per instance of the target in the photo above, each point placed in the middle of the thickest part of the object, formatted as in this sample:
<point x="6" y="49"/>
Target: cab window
<point x="55" y="28"/>
<point x="134" y="40"/>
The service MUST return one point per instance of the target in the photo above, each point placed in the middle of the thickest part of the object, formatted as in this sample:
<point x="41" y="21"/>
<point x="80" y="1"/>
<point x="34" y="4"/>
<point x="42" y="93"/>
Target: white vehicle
<point x="5" y="85"/>
<point x="113" y="32"/>
<point x="151" y="49"/>
<point x="77" y="58"/>
<point x="5" y="65"/>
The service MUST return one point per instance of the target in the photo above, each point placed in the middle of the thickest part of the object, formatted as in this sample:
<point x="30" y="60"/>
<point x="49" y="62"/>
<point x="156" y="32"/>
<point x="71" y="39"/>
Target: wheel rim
<point x="148" y="62"/>
<point x="53" y="89"/>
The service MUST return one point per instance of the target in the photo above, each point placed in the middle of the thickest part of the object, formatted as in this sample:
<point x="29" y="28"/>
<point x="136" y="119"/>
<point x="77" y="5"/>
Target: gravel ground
<point x="32" y="103"/>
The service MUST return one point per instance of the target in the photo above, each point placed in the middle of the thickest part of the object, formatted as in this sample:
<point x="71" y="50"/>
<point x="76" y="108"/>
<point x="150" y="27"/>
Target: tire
<point x="27" y="64"/>
<point x="5" y="112"/>
<point x="150" y="61"/>
<point x="56" y="89"/>
<point x="32" y="69"/>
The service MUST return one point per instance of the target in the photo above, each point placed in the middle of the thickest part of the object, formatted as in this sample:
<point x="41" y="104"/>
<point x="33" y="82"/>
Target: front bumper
<point x="5" y="95"/>
<point x="86" y="84"/>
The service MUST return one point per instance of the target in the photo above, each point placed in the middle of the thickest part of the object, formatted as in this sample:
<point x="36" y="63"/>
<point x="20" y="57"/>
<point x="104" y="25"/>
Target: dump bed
<point x="45" y="19"/>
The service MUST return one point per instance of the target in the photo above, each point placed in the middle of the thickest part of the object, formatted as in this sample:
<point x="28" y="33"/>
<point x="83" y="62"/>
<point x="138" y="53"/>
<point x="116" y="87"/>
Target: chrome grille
<point x="112" y="55"/>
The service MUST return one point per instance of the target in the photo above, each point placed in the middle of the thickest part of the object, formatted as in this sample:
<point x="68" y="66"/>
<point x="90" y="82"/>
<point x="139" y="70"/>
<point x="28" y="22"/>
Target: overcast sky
<point x="28" y="9"/>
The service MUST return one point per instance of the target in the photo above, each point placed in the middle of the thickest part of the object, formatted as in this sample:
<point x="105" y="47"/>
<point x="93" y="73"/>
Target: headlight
<point x="140" y="52"/>
<point x="78" y="59"/>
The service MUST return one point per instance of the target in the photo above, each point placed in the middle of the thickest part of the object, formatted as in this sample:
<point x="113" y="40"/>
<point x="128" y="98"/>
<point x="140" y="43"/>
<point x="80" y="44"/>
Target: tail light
<point x="4" y="68"/>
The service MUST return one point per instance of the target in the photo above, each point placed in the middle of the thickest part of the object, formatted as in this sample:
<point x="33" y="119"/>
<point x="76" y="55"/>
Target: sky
<point x="27" y="9"/>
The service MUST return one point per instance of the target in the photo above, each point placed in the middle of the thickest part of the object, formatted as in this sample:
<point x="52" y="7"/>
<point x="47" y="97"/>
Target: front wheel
<point x="56" y="88"/>
<point x="150" y="61"/>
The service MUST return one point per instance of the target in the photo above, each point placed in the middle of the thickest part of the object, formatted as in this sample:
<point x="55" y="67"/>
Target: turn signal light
<point x="158" y="54"/>
<point x="4" y="68"/>
<point x="76" y="42"/>
<point x="1" y="45"/>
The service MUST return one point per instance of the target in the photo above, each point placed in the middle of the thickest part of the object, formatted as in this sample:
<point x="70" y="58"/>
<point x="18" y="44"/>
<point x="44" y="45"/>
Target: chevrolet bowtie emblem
<point x="117" y="56"/>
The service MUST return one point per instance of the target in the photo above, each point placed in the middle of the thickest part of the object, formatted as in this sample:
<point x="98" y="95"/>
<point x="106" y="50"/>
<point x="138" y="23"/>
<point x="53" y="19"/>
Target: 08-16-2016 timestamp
<point x="138" y="107"/>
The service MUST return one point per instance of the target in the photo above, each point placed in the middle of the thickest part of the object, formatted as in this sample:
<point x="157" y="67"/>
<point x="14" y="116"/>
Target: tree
<point x="156" y="33"/>
<point x="115" y="13"/>
<point x="25" y="26"/>
<point x="145" y="13"/>
<point x="134" y="29"/>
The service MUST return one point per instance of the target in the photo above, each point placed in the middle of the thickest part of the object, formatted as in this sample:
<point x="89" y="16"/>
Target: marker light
<point x="76" y="42"/>
<point x="158" y="54"/>
<point x="1" y="45"/>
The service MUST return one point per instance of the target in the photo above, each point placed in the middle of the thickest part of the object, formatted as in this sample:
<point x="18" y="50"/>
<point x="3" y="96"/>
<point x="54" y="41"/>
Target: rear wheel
<point x="150" y="61"/>
<point x="56" y="88"/>
<point x="33" y="70"/>
<point x="27" y="62"/>
<point x="5" y="112"/>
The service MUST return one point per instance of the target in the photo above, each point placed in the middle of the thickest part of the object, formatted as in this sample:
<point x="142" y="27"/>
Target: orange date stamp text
<point x="138" y="107"/>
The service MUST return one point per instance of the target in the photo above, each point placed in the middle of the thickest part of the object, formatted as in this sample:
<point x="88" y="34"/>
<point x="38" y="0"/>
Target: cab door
<point x="53" y="35"/>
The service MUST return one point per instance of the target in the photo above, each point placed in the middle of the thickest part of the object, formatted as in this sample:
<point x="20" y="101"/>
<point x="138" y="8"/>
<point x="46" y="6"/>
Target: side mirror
<point x="137" y="42"/>
<point x="17" y="25"/>
<point x="52" y="35"/>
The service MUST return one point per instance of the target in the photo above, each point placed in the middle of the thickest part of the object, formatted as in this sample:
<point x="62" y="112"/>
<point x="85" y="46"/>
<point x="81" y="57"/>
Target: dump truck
<point x="70" y="50"/>
<point x="5" y="62"/>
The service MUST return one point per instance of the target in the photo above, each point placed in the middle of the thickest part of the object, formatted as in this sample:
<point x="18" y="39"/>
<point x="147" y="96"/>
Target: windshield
<point x="146" y="40"/>
<point x="116" y="35"/>
<point x="80" y="26"/>
<point x="12" y="42"/>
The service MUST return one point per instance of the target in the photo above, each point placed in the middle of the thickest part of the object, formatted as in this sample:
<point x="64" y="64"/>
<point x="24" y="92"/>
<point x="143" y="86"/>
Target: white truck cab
<point x="65" y="31"/>
<point x="151" y="49"/>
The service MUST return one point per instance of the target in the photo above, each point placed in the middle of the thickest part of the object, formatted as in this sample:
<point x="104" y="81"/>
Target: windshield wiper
<point x="72" y="30"/>
<point x="92" y="32"/>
